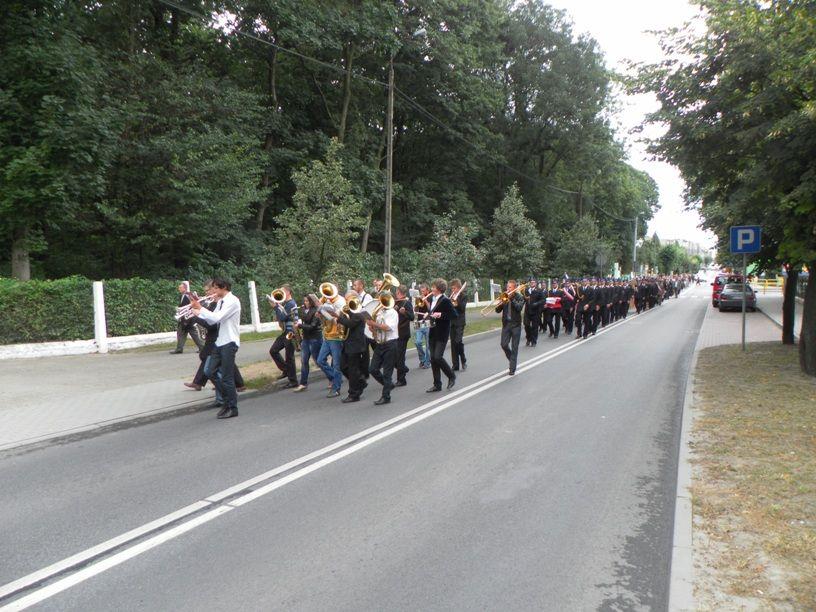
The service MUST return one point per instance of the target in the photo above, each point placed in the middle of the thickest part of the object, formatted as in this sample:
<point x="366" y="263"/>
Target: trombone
<point x="503" y="298"/>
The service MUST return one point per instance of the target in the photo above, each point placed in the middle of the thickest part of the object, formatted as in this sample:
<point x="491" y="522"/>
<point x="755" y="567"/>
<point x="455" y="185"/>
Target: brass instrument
<point x="384" y="300"/>
<point x="186" y="312"/>
<point x="277" y="297"/>
<point x="419" y="302"/>
<point x="331" y="300"/>
<point x="456" y="295"/>
<point x="503" y="298"/>
<point x="389" y="281"/>
<point x="352" y="306"/>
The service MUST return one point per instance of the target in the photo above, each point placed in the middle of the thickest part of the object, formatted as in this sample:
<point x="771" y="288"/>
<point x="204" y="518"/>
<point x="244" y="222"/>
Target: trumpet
<point x="186" y="312"/>
<point x="389" y="281"/>
<point x="503" y="298"/>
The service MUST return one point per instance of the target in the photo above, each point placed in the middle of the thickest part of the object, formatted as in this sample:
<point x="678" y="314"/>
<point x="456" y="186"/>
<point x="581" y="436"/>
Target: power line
<point x="402" y="94"/>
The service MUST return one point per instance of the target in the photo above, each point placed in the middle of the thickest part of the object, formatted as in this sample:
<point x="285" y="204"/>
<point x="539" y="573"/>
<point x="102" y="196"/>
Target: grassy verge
<point x="263" y="374"/>
<point x="754" y="491"/>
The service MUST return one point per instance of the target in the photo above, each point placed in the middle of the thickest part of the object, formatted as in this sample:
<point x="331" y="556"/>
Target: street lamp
<point x="389" y="160"/>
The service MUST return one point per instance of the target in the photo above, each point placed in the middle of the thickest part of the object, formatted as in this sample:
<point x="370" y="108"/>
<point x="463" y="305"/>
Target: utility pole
<point x="634" y="246"/>
<point x="389" y="165"/>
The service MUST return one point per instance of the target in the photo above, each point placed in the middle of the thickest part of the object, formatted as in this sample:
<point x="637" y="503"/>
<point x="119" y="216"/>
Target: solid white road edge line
<point x="103" y="565"/>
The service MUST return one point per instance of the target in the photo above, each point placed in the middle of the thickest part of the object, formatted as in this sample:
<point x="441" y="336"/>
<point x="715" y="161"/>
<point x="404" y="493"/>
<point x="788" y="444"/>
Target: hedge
<point x="43" y="311"/>
<point x="59" y="310"/>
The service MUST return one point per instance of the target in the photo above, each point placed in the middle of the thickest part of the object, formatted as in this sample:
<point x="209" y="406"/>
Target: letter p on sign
<point x="746" y="239"/>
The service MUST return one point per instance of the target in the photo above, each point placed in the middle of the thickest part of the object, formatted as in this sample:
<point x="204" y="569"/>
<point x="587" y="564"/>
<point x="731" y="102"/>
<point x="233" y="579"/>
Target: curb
<point x="148" y="416"/>
<point x="777" y="323"/>
<point x="681" y="578"/>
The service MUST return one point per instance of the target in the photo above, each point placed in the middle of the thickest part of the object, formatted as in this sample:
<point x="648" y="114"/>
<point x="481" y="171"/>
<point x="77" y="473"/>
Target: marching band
<point x="360" y="335"/>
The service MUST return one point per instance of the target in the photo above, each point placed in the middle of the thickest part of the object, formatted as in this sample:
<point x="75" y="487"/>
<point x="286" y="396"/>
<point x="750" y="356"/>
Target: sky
<point x="621" y="29"/>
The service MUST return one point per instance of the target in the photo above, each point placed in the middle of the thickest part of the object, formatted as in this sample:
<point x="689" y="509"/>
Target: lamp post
<point x="389" y="157"/>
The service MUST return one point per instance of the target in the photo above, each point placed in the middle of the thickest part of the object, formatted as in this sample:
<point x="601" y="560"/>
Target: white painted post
<point x="253" y="305"/>
<point x="100" y="324"/>
<point x="492" y="291"/>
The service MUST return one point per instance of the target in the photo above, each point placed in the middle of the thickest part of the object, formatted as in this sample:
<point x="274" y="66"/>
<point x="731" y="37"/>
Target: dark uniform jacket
<point x="355" y="341"/>
<point x="404" y="325"/>
<point x="511" y="310"/>
<point x="440" y="329"/>
<point x="461" y="310"/>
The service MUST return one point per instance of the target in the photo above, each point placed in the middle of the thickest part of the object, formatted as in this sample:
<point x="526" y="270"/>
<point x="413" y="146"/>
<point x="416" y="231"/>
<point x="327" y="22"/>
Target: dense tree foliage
<point x="738" y="100"/>
<point x="152" y="138"/>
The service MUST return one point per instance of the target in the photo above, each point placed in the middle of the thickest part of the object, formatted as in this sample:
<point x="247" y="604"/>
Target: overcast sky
<point x="620" y="27"/>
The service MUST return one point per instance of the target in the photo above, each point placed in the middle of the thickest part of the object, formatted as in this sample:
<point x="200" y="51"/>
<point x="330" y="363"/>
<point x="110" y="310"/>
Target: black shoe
<point x="451" y="382"/>
<point x="333" y="393"/>
<point x="400" y="383"/>
<point x="348" y="399"/>
<point x="455" y="369"/>
<point x="224" y="410"/>
<point x="382" y="400"/>
<point x="433" y="389"/>
<point x="228" y="414"/>
<point x="281" y="376"/>
<point x="176" y="352"/>
<point x="291" y="385"/>
<point x="511" y="373"/>
<point x="464" y="367"/>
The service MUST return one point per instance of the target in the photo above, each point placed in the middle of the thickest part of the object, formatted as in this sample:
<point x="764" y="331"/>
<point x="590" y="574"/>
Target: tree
<point x="738" y="103"/>
<point x="315" y="238"/>
<point x="576" y="255"/>
<point x="451" y="252"/>
<point x="513" y="247"/>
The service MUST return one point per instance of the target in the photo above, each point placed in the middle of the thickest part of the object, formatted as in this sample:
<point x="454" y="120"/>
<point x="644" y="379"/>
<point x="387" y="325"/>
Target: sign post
<point x="745" y="239"/>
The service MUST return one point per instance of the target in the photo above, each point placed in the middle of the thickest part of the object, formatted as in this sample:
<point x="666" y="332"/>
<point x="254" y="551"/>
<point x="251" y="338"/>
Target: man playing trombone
<point x="459" y="301"/>
<point x="441" y="313"/>
<point x="286" y="313"/>
<point x="511" y="306"/>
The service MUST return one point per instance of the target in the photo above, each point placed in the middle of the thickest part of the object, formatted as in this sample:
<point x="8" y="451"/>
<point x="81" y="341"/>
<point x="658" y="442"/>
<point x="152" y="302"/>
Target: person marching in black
<point x="555" y="305"/>
<point x="405" y="310"/>
<point x="355" y="347"/>
<point x="511" y="315"/>
<point x="568" y="307"/>
<point x="586" y="308"/>
<point x="459" y="301"/>
<point x="185" y="325"/>
<point x="532" y="312"/>
<point x="442" y="313"/>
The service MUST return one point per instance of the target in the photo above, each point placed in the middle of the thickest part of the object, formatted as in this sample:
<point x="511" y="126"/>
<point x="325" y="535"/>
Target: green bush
<point x="43" y="311"/>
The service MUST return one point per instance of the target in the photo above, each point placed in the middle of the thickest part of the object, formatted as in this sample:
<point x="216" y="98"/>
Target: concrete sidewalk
<point x="771" y="305"/>
<point x="55" y="396"/>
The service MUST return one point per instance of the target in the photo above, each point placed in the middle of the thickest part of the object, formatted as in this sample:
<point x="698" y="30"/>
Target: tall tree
<point x="513" y="246"/>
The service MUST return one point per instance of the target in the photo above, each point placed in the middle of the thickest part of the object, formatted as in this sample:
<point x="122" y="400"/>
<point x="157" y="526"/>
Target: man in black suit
<point x="511" y="324"/>
<point x="355" y="349"/>
<point x="185" y="326"/>
<point x="457" y="332"/>
<point x="535" y="299"/>
<point x="405" y="310"/>
<point x="442" y="313"/>
<point x="586" y="309"/>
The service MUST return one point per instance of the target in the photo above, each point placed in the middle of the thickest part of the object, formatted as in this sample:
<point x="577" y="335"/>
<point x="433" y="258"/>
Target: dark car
<point x="721" y="281"/>
<point x="731" y="297"/>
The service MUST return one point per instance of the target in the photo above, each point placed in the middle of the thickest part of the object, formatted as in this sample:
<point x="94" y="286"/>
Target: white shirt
<point x="434" y="300"/>
<point x="390" y="317"/>
<point x="228" y="316"/>
<point x="365" y="298"/>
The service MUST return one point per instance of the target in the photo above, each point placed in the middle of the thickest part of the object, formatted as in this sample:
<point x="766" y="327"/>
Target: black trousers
<point x="532" y="325"/>
<point x="554" y="322"/>
<point x="510" y="337"/>
<point x="351" y="365"/>
<point x="586" y="321"/>
<point x="579" y="322"/>
<point x="457" y="342"/>
<point x="287" y="364"/>
<point x="596" y="320"/>
<point x="400" y="365"/>
<point x="569" y="320"/>
<point x="438" y="363"/>
<point x="367" y="357"/>
<point x="625" y="308"/>
<point x="382" y="365"/>
<point x="200" y="377"/>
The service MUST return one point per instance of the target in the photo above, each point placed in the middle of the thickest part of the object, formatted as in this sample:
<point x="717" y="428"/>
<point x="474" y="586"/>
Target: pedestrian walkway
<point x="771" y="305"/>
<point x="55" y="396"/>
<point x="726" y="328"/>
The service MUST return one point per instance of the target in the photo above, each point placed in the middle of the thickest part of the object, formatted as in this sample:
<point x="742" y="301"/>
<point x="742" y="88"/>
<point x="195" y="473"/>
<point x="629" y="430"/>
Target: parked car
<point x="721" y="281"/>
<point x="731" y="297"/>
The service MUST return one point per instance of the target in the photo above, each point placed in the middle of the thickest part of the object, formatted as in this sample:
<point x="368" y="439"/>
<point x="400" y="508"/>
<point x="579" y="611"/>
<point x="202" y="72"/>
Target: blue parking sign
<point x="746" y="239"/>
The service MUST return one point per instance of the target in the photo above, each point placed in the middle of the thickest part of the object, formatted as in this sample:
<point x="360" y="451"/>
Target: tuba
<point x="389" y="281"/>
<point x="330" y="300"/>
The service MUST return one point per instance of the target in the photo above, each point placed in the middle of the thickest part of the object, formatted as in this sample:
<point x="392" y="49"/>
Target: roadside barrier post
<point x="253" y="306"/>
<point x="100" y="324"/>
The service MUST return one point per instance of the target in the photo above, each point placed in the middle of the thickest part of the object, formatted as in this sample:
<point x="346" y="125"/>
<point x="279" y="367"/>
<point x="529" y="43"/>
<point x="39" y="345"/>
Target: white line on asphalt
<point x="402" y="421"/>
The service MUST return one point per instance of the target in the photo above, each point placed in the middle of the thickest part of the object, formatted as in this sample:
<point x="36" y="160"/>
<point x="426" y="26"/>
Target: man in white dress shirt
<point x="386" y="333"/>
<point x="227" y="315"/>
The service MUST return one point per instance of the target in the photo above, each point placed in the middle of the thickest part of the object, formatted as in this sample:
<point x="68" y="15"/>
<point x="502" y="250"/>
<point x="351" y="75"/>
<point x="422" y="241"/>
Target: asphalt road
<point x="550" y="490"/>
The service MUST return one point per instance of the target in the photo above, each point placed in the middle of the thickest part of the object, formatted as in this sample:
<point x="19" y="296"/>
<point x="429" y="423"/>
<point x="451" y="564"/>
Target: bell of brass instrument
<point x="277" y="297"/>
<point x="389" y="281"/>
<point x="352" y="306"/>
<point x="328" y="292"/>
<point x="502" y="299"/>
<point x="384" y="300"/>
